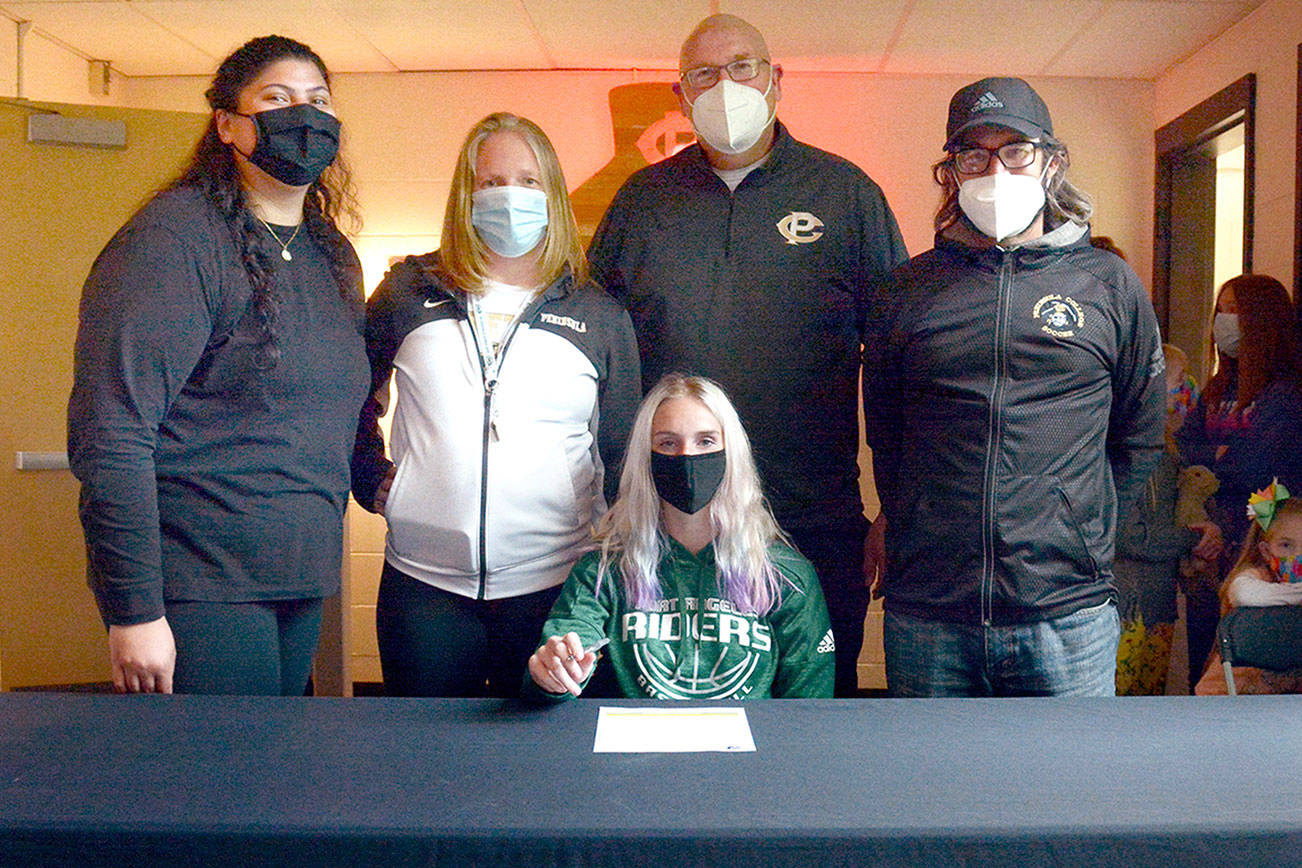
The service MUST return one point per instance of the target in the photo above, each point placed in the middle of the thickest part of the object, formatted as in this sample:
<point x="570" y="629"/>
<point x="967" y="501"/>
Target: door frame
<point x="1222" y="110"/>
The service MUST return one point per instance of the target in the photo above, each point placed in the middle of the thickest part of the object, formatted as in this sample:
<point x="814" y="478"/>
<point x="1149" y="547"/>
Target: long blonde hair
<point x="744" y="528"/>
<point x="462" y="256"/>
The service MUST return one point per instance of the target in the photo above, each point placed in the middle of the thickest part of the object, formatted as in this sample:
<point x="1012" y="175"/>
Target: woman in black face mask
<point x="693" y="585"/>
<point x="219" y="372"/>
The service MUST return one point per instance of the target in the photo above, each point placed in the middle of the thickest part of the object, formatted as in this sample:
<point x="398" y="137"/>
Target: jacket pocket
<point x="540" y="500"/>
<point x="1043" y="535"/>
<point x="433" y="512"/>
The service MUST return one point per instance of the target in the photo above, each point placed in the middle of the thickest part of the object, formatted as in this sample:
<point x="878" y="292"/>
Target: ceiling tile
<point x="447" y="34"/>
<point x="221" y="26"/>
<point x="587" y="34"/>
<point x="1158" y="34"/>
<point x="826" y="35"/>
<point x="987" y="37"/>
<point x="116" y="32"/>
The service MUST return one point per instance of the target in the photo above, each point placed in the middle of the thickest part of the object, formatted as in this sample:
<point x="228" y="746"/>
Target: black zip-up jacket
<point x="763" y="290"/>
<point x="1013" y="398"/>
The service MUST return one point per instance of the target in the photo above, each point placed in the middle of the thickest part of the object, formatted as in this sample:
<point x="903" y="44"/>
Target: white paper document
<point x="672" y="730"/>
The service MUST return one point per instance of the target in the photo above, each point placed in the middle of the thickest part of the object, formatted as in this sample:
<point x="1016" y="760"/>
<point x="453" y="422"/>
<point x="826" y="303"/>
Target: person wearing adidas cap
<point x="1013" y="394"/>
<point x="747" y="258"/>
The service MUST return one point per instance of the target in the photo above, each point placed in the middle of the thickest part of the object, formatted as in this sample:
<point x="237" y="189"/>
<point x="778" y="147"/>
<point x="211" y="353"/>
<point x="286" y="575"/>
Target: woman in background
<point x="218" y="374"/>
<point x="517" y="379"/>
<point x="693" y="584"/>
<point x="1244" y="426"/>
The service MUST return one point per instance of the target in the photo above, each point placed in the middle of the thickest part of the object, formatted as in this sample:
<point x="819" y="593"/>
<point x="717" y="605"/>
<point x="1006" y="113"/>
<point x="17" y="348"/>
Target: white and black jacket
<point x="498" y="480"/>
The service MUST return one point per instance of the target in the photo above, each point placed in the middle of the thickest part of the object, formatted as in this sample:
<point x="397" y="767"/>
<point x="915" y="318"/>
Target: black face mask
<point x="295" y="143"/>
<point x="688" y="482"/>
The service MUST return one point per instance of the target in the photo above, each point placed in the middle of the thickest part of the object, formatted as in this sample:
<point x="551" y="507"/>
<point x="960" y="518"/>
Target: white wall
<point x="1265" y="43"/>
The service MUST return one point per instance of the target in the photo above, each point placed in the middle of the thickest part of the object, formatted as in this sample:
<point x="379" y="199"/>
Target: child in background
<point x="1150" y="544"/>
<point x="1267" y="573"/>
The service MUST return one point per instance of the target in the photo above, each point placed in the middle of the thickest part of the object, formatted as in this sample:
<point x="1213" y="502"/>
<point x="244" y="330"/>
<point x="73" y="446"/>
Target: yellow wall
<point x="1265" y="43"/>
<point x="58" y="206"/>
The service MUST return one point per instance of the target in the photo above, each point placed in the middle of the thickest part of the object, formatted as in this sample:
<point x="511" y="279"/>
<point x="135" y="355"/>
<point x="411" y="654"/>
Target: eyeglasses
<point x="1014" y="155"/>
<point x="706" y="77"/>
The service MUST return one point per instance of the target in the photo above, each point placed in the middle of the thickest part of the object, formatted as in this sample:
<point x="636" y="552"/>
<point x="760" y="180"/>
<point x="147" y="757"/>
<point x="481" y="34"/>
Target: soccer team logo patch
<point x="1059" y="315"/>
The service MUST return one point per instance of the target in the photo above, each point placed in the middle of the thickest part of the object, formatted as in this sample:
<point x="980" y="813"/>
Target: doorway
<point x="1203" y="213"/>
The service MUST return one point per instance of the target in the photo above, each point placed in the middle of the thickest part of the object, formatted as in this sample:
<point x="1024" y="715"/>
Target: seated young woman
<point x="692" y="582"/>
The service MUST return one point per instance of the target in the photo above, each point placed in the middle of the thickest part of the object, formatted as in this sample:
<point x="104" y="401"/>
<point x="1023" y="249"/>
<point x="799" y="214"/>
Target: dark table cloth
<point x="162" y="780"/>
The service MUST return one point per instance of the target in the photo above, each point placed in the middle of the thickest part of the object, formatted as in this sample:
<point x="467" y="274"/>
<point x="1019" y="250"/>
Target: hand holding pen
<point x="562" y="664"/>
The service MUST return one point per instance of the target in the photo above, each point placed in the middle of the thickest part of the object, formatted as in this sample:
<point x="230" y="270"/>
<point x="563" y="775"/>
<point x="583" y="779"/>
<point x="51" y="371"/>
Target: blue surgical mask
<point x="1225" y="331"/>
<point x="510" y="220"/>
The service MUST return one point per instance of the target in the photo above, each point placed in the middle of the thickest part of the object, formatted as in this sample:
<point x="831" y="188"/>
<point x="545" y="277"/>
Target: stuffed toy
<point x="1197" y="484"/>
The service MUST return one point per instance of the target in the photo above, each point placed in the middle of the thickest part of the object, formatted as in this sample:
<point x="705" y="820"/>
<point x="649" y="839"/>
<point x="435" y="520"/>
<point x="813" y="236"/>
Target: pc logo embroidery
<point x="800" y="227"/>
<point x="1060" y="314"/>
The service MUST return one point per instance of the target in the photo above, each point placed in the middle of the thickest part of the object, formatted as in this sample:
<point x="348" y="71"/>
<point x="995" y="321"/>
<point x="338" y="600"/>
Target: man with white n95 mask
<point x="1014" y="399"/>
<point x="747" y="258"/>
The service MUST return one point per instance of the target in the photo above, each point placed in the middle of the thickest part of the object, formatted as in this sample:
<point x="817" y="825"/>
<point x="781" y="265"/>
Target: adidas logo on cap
<point x="987" y="102"/>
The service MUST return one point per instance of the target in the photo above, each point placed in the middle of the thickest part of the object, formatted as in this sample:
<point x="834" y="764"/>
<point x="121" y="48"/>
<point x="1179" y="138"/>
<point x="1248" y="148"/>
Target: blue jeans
<point x="1075" y="655"/>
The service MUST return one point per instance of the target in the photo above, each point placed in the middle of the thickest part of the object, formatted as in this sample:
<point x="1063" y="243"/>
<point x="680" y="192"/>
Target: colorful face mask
<point x="688" y="482"/>
<point x="295" y="143"/>
<point x="1287" y="569"/>
<point x="1182" y="398"/>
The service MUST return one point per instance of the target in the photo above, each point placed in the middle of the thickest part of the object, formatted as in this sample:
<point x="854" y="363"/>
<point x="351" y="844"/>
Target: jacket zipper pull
<point x="491" y="408"/>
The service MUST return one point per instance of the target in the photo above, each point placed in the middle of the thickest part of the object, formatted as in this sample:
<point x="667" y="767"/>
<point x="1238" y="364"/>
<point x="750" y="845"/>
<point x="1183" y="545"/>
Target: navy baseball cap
<point x="1004" y="102"/>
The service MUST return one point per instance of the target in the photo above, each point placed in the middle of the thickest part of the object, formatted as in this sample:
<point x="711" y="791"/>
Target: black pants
<point x="436" y="643"/>
<point x="836" y="551"/>
<point x="251" y="649"/>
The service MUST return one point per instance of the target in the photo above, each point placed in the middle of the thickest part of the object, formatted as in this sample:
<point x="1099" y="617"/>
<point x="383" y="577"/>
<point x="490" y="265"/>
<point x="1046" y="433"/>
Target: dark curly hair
<point x="212" y="170"/>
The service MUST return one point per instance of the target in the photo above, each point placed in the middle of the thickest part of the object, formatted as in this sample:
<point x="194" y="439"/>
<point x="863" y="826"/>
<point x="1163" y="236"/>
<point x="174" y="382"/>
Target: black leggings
<point x="436" y="643"/>
<point x="836" y="551"/>
<point x="251" y="649"/>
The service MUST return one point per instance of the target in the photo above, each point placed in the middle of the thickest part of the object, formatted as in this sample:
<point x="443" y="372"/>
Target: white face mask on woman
<point x="510" y="220"/>
<point x="731" y="117"/>
<point x="1225" y="331"/>
<point x="1002" y="204"/>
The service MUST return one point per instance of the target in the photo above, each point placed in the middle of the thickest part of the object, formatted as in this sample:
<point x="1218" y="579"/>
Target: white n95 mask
<point x="1001" y="204"/>
<point x="731" y="117"/>
<point x="510" y="220"/>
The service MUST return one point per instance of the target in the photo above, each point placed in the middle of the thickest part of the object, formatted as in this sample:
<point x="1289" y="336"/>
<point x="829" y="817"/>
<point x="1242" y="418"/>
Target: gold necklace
<point x="284" y="245"/>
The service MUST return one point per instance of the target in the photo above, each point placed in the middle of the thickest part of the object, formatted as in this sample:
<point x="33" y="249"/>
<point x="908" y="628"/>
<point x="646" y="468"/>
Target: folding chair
<point x="1267" y="637"/>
